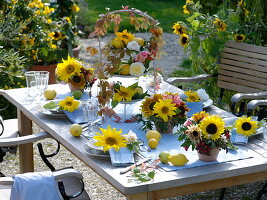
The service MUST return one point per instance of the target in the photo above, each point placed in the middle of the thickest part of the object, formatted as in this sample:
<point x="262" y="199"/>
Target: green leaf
<point x="114" y="103"/>
<point x="191" y="18"/>
<point x="151" y="174"/>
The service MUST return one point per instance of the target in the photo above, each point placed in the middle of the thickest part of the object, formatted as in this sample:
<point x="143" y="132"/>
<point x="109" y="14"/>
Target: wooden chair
<point x="242" y="69"/>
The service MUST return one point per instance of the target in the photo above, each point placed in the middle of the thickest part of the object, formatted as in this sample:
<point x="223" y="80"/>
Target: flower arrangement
<point x="246" y="126"/>
<point x="194" y="96"/>
<point x="72" y="71"/>
<point x="126" y="94"/>
<point x="165" y="110"/>
<point x="134" y="56"/>
<point x="205" y="132"/>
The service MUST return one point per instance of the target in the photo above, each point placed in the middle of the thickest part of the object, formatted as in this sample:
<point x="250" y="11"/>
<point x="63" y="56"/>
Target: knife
<point x="134" y="165"/>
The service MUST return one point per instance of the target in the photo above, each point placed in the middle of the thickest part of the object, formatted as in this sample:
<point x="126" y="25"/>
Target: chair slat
<point x="245" y="53"/>
<point x="235" y="87"/>
<point x="249" y="62"/>
<point x="242" y="82"/>
<point x="242" y="71"/>
<point x="244" y="65"/>
<point x="246" y="47"/>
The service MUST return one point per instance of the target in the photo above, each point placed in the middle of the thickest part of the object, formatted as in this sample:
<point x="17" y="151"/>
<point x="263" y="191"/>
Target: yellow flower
<point x="164" y="109"/>
<point x="212" y="127"/>
<point x="221" y="26"/>
<point x="178" y="29"/>
<point x="32" y="41"/>
<point x="37" y="12"/>
<point x="53" y="46"/>
<point x="69" y="104"/>
<point x="125" y="36"/>
<point x="148" y="104"/>
<point x="186" y="10"/>
<point x="110" y="138"/>
<point x="78" y="80"/>
<point x="194" y="133"/>
<point x="199" y="116"/>
<point x="49" y="21"/>
<point x="68" y="19"/>
<point x="57" y="35"/>
<point x="246" y="126"/>
<point x="124" y="94"/>
<point x="239" y="37"/>
<point x="192" y="96"/>
<point x="184" y="40"/>
<point x="68" y="68"/>
<point x="137" y="69"/>
<point x="75" y="8"/>
<point x="31" y="5"/>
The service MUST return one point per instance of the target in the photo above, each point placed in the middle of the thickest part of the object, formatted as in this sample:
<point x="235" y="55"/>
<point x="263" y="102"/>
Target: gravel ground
<point x="99" y="189"/>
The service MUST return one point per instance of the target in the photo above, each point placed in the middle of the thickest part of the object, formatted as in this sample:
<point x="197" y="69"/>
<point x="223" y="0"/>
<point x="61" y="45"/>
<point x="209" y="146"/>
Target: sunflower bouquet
<point x="127" y="94"/>
<point x="205" y="132"/>
<point x="164" y="110"/>
<point x="129" y="55"/>
<point x="194" y="96"/>
<point x="75" y="73"/>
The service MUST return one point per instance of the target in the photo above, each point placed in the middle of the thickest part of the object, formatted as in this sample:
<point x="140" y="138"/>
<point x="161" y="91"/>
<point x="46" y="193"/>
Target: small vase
<point x="209" y="158"/>
<point x="169" y="128"/>
<point x="72" y="87"/>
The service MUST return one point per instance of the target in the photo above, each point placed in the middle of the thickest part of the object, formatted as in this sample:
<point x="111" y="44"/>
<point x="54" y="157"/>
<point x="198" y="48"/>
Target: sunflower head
<point x="186" y="10"/>
<point x="178" y="29"/>
<point x="199" y="116"/>
<point x="69" y="104"/>
<point x="124" y="94"/>
<point x="125" y="36"/>
<point x="148" y="104"/>
<point x="221" y="26"/>
<point x="78" y="80"/>
<point x="164" y="109"/>
<point x="212" y="127"/>
<point x="184" y="40"/>
<point x="239" y="37"/>
<point x="110" y="138"/>
<point x="194" y="133"/>
<point x="192" y="96"/>
<point x="246" y="126"/>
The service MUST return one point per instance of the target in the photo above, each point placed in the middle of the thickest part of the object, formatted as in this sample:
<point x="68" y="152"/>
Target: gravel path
<point x="97" y="187"/>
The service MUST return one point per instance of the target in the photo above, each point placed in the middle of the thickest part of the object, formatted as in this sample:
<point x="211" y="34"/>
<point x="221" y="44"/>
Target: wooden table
<point x="165" y="184"/>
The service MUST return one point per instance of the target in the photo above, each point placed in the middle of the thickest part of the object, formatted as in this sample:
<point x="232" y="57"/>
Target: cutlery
<point x="134" y="165"/>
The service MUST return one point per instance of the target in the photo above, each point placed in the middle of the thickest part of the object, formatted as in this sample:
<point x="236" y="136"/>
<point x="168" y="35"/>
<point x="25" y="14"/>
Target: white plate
<point x="91" y="151"/>
<point x="207" y="103"/>
<point x="51" y="114"/>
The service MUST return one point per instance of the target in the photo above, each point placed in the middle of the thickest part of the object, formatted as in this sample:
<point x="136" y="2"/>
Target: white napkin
<point x="35" y="186"/>
<point x="123" y="157"/>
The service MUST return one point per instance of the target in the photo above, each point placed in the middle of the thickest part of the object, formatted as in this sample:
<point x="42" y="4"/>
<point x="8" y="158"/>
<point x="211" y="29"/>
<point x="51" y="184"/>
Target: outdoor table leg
<point x="140" y="196"/>
<point x="25" y="150"/>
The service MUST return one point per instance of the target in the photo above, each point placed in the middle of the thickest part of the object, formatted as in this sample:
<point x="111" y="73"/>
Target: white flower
<point x="131" y="137"/>
<point x="133" y="45"/>
<point x="202" y="94"/>
<point x="137" y="69"/>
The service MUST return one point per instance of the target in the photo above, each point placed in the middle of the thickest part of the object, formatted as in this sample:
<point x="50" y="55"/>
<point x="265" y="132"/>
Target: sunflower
<point x="245" y="126"/>
<point x="57" y="35"/>
<point x="78" y="80"/>
<point x="186" y="10"/>
<point x="148" y="105"/>
<point x="164" y="109"/>
<point x="178" y="29"/>
<point x="194" y="133"/>
<point x="221" y="26"/>
<point x="199" y="116"/>
<point x="239" y="37"/>
<point x="184" y="40"/>
<point x="69" y="104"/>
<point x="110" y="138"/>
<point x="192" y="96"/>
<point x="125" y="36"/>
<point x="68" y="68"/>
<point x="212" y="127"/>
<point x="124" y="94"/>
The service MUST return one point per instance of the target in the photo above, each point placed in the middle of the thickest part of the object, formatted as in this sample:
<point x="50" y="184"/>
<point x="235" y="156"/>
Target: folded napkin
<point x="238" y="138"/>
<point x="76" y="117"/>
<point x="194" y="108"/>
<point x="35" y="186"/>
<point x="123" y="157"/>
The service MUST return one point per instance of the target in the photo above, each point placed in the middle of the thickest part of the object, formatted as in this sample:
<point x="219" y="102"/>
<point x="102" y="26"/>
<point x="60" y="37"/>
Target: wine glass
<point x="90" y="111"/>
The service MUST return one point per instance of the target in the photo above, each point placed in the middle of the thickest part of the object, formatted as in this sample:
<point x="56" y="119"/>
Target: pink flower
<point x="187" y="123"/>
<point x="143" y="56"/>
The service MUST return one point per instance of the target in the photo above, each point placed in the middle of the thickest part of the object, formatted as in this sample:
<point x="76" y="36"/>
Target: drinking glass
<point x="90" y="111"/>
<point x="42" y="79"/>
<point x="264" y="129"/>
<point x="31" y="77"/>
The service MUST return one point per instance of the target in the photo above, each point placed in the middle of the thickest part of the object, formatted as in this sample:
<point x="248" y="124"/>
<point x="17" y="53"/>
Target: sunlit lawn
<point x="165" y="11"/>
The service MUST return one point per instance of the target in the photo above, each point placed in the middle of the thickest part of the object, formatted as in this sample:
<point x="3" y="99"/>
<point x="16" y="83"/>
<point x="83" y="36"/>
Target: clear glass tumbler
<point x="90" y="111"/>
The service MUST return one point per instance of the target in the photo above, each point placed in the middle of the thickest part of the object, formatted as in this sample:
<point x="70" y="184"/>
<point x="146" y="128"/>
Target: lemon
<point x="140" y="41"/>
<point x="50" y="94"/>
<point x="124" y="69"/>
<point x="76" y="130"/>
<point x="117" y="43"/>
<point x="153" y="143"/>
<point x="77" y="94"/>
<point x="164" y="157"/>
<point x="178" y="159"/>
<point x="153" y="134"/>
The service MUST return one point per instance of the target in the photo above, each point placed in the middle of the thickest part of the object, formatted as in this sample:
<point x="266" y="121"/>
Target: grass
<point x="167" y="12"/>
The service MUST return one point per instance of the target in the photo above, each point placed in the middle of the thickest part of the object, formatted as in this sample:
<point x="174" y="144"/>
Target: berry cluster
<point x="203" y="148"/>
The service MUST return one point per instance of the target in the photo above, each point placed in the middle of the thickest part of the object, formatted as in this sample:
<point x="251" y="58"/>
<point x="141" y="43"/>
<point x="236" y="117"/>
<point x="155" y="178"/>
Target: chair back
<point x="243" y="68"/>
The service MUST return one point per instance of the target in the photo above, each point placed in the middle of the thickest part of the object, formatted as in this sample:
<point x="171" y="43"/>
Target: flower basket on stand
<point x="125" y="54"/>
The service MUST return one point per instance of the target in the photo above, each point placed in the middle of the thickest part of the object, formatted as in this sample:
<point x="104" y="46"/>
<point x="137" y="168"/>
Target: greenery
<point x="165" y="11"/>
